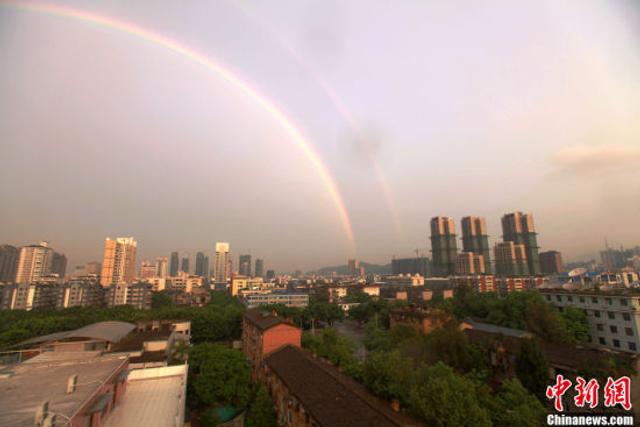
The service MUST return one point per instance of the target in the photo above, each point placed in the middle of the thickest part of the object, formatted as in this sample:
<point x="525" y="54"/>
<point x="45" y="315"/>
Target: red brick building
<point x="310" y="392"/>
<point x="423" y="321"/>
<point x="264" y="332"/>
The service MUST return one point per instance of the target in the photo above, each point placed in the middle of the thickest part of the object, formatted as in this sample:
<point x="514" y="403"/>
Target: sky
<point x="406" y="110"/>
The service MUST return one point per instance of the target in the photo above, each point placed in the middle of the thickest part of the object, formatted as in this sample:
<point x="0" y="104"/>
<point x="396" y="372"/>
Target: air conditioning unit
<point x="72" y="383"/>
<point x="41" y="413"/>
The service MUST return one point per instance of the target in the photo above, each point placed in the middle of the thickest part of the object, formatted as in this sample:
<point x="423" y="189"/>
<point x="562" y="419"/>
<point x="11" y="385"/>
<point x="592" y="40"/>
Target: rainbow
<point x="227" y="75"/>
<point x="337" y="103"/>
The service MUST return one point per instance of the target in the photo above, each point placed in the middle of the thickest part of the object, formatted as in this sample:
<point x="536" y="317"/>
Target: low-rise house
<point x="423" y="321"/>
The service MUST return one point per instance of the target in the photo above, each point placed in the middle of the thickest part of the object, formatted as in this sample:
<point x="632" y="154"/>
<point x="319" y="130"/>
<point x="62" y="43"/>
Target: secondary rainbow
<point x="200" y="58"/>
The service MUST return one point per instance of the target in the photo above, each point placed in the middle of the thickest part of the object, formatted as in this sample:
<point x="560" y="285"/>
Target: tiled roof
<point x="262" y="319"/>
<point x="331" y="398"/>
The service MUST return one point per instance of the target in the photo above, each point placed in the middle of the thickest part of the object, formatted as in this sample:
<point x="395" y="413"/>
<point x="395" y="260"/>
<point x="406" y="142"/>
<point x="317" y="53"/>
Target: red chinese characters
<point x="618" y="392"/>
<point x="587" y="392"/>
<point x="557" y="391"/>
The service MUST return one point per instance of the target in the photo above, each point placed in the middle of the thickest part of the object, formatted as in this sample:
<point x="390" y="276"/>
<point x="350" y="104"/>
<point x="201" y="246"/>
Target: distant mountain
<point x="368" y="268"/>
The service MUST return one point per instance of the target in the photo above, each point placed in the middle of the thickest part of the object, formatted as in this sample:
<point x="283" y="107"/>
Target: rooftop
<point x="601" y="291"/>
<point x="495" y="329"/>
<point x="263" y="320"/>
<point x="111" y="331"/>
<point x="331" y="398"/>
<point x="154" y="397"/>
<point x="27" y="385"/>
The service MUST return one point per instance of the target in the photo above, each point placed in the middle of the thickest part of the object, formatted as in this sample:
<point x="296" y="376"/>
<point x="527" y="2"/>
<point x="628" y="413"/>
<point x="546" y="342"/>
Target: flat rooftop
<point x="154" y="397"/>
<point x="25" y="386"/>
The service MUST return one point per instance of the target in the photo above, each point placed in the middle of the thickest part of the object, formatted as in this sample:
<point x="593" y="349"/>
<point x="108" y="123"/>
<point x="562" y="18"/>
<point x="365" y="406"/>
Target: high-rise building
<point x="612" y="259"/>
<point x="222" y="266"/>
<point x="551" y="262"/>
<point x="175" y="264"/>
<point x="34" y="263"/>
<point x="59" y="264"/>
<point x="444" y="248"/>
<point x="271" y="274"/>
<point x="353" y="267"/>
<point x="470" y="263"/>
<point x="259" y="270"/>
<point x="244" y="265"/>
<point x="511" y="259"/>
<point x="162" y="266"/>
<point x="412" y="266"/>
<point x="475" y="239"/>
<point x="119" y="262"/>
<point x="8" y="263"/>
<point x="518" y="228"/>
<point x="202" y="265"/>
<point x="93" y="267"/>
<point x="184" y="265"/>
<point x="147" y="269"/>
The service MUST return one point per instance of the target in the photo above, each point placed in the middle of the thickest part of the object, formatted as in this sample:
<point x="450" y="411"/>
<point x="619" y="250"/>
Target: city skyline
<point x="321" y="156"/>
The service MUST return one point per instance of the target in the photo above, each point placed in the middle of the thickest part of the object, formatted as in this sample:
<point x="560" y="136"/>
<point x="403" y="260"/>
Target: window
<point x="624" y="302"/>
<point x="632" y="346"/>
<point x="596" y="313"/>
<point x="594" y="300"/>
<point x="602" y="341"/>
<point x="628" y="332"/>
<point x="548" y="297"/>
<point x="558" y="298"/>
<point x="608" y="301"/>
<point x="616" y="343"/>
<point x="613" y="329"/>
<point x="570" y="298"/>
<point x="600" y="327"/>
<point x="581" y="299"/>
<point x="626" y="316"/>
<point x="611" y="315"/>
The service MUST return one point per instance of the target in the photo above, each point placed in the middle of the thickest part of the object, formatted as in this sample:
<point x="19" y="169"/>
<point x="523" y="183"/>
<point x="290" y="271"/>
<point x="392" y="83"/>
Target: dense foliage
<point x="221" y="320"/>
<point x="261" y="412"/>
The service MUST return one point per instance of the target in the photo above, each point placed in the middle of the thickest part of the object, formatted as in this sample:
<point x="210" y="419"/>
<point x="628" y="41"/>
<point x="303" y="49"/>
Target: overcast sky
<point x="460" y="107"/>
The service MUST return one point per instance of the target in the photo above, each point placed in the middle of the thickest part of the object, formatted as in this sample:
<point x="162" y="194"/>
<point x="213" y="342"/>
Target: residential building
<point x="137" y="295"/>
<point x="119" y="263"/>
<point x="202" y="265"/>
<point x="80" y="293"/>
<point x="64" y="389"/>
<point x="518" y="228"/>
<point x="198" y="297"/>
<point x="411" y="266"/>
<point x="511" y="259"/>
<point x="29" y="296"/>
<point x="422" y="321"/>
<point x="470" y="263"/>
<point x="475" y="239"/>
<point x="8" y="263"/>
<point x="259" y="270"/>
<point x="93" y="267"/>
<point x="147" y="269"/>
<point x="551" y="262"/>
<point x="310" y="392"/>
<point x="222" y="266"/>
<point x="184" y="264"/>
<point x="354" y="268"/>
<point x="244" y="265"/>
<point x="184" y="282"/>
<point x="59" y="264"/>
<point x="289" y="299"/>
<point x="613" y="316"/>
<point x="444" y="248"/>
<point x="271" y="274"/>
<point x="612" y="259"/>
<point x="34" y="263"/>
<point x="174" y="264"/>
<point x="162" y="266"/>
<point x="264" y="332"/>
<point x="479" y="282"/>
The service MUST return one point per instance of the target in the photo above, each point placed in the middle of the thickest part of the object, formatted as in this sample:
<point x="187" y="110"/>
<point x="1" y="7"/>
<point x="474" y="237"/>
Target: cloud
<point x="589" y="160"/>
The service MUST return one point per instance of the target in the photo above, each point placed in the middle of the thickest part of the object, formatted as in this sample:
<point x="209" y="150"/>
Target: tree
<point x="388" y="375"/>
<point x="576" y="324"/>
<point x="161" y="300"/>
<point x="513" y="405"/>
<point x="440" y="397"/>
<point x="261" y="412"/>
<point x="220" y="375"/>
<point x="531" y="368"/>
<point x="451" y="346"/>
